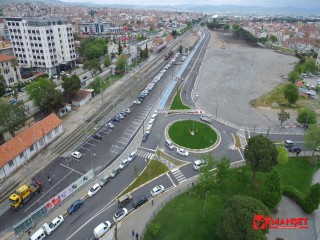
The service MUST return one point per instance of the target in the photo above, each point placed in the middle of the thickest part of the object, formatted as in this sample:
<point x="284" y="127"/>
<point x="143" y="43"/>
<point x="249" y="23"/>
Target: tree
<point x="312" y="137"/>
<point x="226" y="27"/>
<point x="95" y="85"/>
<point x="54" y="101"/>
<point x="180" y="49"/>
<point x="273" y="38"/>
<point x="92" y="65"/>
<point x="174" y="33"/>
<point x="291" y="93"/>
<point x="271" y="192"/>
<point x="12" y="117"/>
<point x="237" y="217"/>
<point x="3" y="86"/>
<point x="119" y="48"/>
<point x="223" y="168"/>
<point x="283" y="116"/>
<point x="154" y="229"/>
<point x="306" y="117"/>
<point x="107" y="61"/>
<point x="313" y="198"/>
<point x="206" y="177"/>
<point x="71" y="86"/>
<point x="282" y="154"/>
<point x="41" y="91"/>
<point x="294" y="76"/>
<point x="261" y="154"/>
<point x="122" y="63"/>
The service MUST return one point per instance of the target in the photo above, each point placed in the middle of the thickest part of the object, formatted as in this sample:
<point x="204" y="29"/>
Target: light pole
<point x="205" y="204"/>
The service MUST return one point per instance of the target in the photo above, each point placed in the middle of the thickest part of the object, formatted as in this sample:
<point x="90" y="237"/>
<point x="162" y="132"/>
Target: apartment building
<point x="42" y="43"/>
<point x="8" y="70"/>
<point x="94" y="28"/>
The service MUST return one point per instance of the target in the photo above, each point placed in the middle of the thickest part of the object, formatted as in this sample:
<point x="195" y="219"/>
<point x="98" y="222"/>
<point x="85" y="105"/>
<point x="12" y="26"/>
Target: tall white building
<point x="42" y="43"/>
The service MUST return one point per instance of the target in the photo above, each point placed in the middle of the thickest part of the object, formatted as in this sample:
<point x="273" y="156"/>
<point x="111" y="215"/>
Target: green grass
<point x="204" y="136"/>
<point x="154" y="169"/>
<point x="182" y="218"/>
<point x="177" y="103"/>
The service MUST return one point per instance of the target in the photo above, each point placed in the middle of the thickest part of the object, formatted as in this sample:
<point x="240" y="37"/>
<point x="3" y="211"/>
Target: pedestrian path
<point x="241" y="133"/>
<point x="178" y="175"/>
<point x="145" y="154"/>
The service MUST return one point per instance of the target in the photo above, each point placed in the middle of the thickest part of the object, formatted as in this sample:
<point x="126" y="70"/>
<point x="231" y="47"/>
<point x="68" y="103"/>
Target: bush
<point x="312" y="200"/>
<point x="296" y="195"/>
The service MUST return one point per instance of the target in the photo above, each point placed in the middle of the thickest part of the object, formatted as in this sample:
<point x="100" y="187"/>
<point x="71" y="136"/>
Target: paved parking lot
<point x="234" y="76"/>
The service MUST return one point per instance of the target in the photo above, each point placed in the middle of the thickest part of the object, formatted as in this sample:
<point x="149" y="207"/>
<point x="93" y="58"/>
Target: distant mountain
<point x="233" y="9"/>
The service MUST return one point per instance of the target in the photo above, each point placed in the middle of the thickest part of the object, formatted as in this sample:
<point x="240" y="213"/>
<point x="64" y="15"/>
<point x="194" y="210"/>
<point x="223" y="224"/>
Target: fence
<point x="54" y="202"/>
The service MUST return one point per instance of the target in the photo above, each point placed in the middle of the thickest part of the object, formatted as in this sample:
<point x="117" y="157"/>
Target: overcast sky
<point x="265" y="3"/>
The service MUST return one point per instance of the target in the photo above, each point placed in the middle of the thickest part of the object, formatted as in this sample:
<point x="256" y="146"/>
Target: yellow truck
<point x="24" y="193"/>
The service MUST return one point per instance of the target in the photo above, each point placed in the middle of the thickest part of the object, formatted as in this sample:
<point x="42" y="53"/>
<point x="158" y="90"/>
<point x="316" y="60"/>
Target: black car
<point x="294" y="149"/>
<point x="145" y="137"/>
<point x="85" y="77"/>
<point x="115" y="120"/>
<point x="97" y="136"/>
<point x="139" y="201"/>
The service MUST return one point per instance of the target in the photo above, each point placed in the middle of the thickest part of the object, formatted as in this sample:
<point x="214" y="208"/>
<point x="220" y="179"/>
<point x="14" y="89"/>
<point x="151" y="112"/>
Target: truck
<point x="168" y="55"/>
<point x="206" y="118"/>
<point x="24" y="193"/>
<point x="124" y="200"/>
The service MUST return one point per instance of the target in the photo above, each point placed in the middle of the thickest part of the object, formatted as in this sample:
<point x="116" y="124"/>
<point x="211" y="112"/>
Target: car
<point x="123" y="113"/>
<point x="182" y="152"/>
<point x="124" y="200"/>
<point x="76" y="154"/>
<point x="115" y="172"/>
<point x="12" y="101"/>
<point x="53" y="225"/>
<point x="139" y="201"/>
<point x="288" y="143"/>
<point x="128" y="110"/>
<point x="104" y="180"/>
<point x="115" y="120"/>
<point x="21" y="90"/>
<point x="62" y="72"/>
<point x="151" y="121"/>
<point x="109" y="125"/>
<point x="132" y="156"/>
<point x="197" y="164"/>
<point x="120" y="214"/>
<point x="137" y="102"/>
<point x="143" y="94"/>
<point x="101" y="229"/>
<point x="120" y="116"/>
<point x="157" y="190"/>
<point x="294" y="149"/>
<point x="145" y="137"/>
<point x="97" y="136"/>
<point x="85" y="77"/>
<point x="197" y="94"/>
<point x="75" y="206"/>
<point x="54" y="76"/>
<point x="124" y="163"/>
<point x="95" y="188"/>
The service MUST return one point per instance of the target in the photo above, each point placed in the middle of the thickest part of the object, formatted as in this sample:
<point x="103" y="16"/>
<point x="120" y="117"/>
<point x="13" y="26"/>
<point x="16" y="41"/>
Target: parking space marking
<point x="95" y="140"/>
<point x="129" y="130"/>
<point x="73" y="158"/>
<point x="124" y="143"/>
<point x="116" y="152"/>
<point x="125" y="138"/>
<point x="90" y="144"/>
<point x="136" y="123"/>
<point x="71" y="169"/>
<point x="84" y="148"/>
<point x="127" y="134"/>
<point x="116" y="146"/>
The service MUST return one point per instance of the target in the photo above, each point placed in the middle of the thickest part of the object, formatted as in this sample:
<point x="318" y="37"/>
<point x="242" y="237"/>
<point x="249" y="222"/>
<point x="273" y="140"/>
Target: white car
<point x="101" y="229"/>
<point x="76" y="154"/>
<point x="128" y="110"/>
<point x="49" y="228"/>
<point x="124" y="163"/>
<point x="137" y="102"/>
<point x="119" y="215"/>
<point x="157" y="190"/>
<point x="182" y="152"/>
<point x="95" y="188"/>
<point x="197" y="164"/>
<point x="109" y="125"/>
<point x="132" y="156"/>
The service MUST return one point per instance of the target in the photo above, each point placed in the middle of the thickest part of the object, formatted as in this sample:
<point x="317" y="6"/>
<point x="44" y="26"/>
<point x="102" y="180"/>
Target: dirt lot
<point x="235" y="73"/>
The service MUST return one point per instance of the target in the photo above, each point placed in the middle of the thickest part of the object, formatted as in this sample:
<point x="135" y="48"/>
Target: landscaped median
<point x="177" y="103"/>
<point x="196" y="216"/>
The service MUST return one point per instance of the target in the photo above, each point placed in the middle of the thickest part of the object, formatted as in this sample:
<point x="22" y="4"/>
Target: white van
<point x="101" y="229"/>
<point x="197" y="164"/>
<point x="169" y="145"/>
<point x="38" y="235"/>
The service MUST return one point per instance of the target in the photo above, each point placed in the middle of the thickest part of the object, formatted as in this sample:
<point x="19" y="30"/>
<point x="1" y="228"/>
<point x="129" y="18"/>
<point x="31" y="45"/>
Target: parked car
<point x="197" y="164"/>
<point x="101" y="229"/>
<point x="119" y="215"/>
<point x="119" y="116"/>
<point x="104" y="180"/>
<point x="109" y="125"/>
<point x="115" y="172"/>
<point x="157" y="190"/>
<point x="97" y="136"/>
<point x="124" y="200"/>
<point x="182" y="152"/>
<point x="139" y="201"/>
<point x="85" y="77"/>
<point x="291" y="146"/>
<point x="76" y="154"/>
<point x="145" y="137"/>
<point x="53" y="225"/>
<point x="124" y="163"/>
<point x="115" y="120"/>
<point x="132" y="156"/>
<point x="128" y="110"/>
<point x="138" y="102"/>
<point x="95" y="188"/>
<point x="74" y="206"/>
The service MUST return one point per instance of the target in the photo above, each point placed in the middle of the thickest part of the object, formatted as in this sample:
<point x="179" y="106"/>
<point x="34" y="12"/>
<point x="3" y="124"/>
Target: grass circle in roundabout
<point x="192" y="134"/>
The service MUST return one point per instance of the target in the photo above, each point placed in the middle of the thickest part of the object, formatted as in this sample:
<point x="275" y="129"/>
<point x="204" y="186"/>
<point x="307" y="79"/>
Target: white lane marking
<point x="171" y="180"/>
<point x="48" y="191"/>
<point x="84" y="148"/>
<point x="149" y="149"/>
<point x="90" y="144"/>
<point x="72" y="169"/>
<point x="241" y="154"/>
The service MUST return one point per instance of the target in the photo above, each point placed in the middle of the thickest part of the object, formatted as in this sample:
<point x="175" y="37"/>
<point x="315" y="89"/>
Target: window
<point x="49" y="135"/>
<point x="11" y="163"/>
<point x="56" y="131"/>
<point x="21" y="155"/>
<point x="41" y="141"/>
<point x="31" y="148"/>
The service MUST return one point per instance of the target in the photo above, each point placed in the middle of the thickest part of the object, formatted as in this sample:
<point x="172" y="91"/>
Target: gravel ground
<point x="234" y="75"/>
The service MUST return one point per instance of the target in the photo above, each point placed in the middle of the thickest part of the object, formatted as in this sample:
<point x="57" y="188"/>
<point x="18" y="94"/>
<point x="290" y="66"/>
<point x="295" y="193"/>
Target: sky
<point x="310" y="4"/>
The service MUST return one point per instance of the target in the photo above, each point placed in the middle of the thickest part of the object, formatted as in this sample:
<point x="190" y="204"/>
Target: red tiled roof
<point x="27" y="138"/>
<point x="82" y="94"/>
<point x="5" y="58"/>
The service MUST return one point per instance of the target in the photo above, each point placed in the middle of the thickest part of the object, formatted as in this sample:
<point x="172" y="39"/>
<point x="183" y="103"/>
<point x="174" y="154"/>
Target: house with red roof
<point x="18" y="150"/>
<point x="9" y="71"/>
